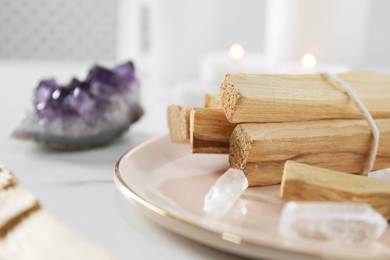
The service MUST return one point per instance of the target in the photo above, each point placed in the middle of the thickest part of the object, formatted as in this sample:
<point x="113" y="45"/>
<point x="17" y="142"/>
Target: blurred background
<point x="187" y="42"/>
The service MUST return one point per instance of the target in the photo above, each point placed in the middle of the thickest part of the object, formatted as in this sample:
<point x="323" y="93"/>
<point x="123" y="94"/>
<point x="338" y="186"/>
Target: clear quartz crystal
<point x="380" y="174"/>
<point x="224" y="193"/>
<point x="331" y="222"/>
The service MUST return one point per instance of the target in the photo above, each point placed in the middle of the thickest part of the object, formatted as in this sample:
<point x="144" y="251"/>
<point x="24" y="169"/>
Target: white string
<point x="375" y="131"/>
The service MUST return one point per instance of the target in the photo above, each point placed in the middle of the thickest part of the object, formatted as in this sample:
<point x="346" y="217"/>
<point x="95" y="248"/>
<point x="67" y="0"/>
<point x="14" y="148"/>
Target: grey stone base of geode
<point x="85" y="141"/>
<point x="80" y="143"/>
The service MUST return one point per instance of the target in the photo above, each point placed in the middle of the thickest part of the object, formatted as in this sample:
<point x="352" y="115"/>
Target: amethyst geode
<point x="86" y="113"/>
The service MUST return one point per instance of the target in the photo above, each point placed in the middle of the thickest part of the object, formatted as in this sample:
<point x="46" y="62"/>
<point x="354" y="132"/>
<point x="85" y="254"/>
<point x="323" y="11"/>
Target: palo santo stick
<point x="210" y="131"/>
<point x="179" y="123"/>
<point x="284" y="98"/>
<point x="260" y="150"/>
<point x="303" y="182"/>
<point x="179" y="118"/>
<point x="212" y="101"/>
<point x="28" y="231"/>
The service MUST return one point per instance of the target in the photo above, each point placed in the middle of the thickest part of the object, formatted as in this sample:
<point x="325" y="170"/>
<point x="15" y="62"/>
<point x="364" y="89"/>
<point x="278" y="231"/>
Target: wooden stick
<point x="39" y="235"/>
<point x="179" y="123"/>
<point x="179" y="118"/>
<point x="303" y="182"/>
<point x="212" y="101"/>
<point x="15" y="201"/>
<point x="210" y="131"/>
<point x="261" y="150"/>
<point x="283" y="98"/>
<point x="27" y="231"/>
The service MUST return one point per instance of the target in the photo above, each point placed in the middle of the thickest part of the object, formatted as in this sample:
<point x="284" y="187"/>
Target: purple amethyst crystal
<point x="126" y="74"/>
<point x="81" y="102"/>
<point x="44" y="91"/>
<point x="84" y="113"/>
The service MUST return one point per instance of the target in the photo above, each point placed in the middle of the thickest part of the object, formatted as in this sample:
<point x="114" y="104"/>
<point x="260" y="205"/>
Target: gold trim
<point x="133" y="195"/>
<point x="231" y="238"/>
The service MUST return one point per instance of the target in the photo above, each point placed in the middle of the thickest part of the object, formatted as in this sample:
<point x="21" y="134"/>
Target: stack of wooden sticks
<point x="262" y="121"/>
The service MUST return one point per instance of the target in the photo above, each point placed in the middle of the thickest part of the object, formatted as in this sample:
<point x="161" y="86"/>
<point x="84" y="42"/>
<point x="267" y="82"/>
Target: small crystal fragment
<point x="224" y="193"/>
<point x="331" y="222"/>
<point x="380" y="174"/>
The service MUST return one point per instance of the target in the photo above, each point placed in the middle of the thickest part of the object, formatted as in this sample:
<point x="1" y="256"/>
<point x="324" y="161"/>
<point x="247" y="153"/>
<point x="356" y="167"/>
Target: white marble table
<point x="78" y="187"/>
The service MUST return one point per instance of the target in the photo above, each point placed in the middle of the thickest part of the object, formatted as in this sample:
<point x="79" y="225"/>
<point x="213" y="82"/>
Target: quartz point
<point x="224" y="193"/>
<point x="331" y="222"/>
<point x="380" y="174"/>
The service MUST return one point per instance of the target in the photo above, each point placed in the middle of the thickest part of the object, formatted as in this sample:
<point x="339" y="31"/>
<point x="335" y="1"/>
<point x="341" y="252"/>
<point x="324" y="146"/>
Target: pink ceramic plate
<point x="168" y="184"/>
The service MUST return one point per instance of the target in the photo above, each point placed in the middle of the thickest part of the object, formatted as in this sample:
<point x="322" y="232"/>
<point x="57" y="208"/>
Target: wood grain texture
<point x="302" y="182"/>
<point x="179" y="123"/>
<point x="285" y="98"/>
<point x="27" y="231"/>
<point x="210" y="131"/>
<point x="15" y="201"/>
<point x="261" y="150"/>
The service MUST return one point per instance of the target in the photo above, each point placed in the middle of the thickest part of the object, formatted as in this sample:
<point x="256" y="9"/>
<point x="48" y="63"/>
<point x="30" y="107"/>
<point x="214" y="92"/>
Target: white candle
<point x="214" y="66"/>
<point x="335" y="30"/>
<point x="162" y="37"/>
<point x="309" y="64"/>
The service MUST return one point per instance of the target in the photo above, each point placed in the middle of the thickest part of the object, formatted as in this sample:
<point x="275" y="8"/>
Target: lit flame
<point x="236" y="52"/>
<point x="309" y="61"/>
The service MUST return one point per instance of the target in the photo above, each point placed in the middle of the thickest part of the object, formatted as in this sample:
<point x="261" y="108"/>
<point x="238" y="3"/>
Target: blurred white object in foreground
<point x="331" y="222"/>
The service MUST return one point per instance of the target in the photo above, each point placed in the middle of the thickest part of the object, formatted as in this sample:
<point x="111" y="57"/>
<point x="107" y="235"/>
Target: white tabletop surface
<point x="77" y="187"/>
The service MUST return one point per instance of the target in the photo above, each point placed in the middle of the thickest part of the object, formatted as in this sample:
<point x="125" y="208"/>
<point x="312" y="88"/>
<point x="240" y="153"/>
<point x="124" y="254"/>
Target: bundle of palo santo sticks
<point x="263" y="121"/>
